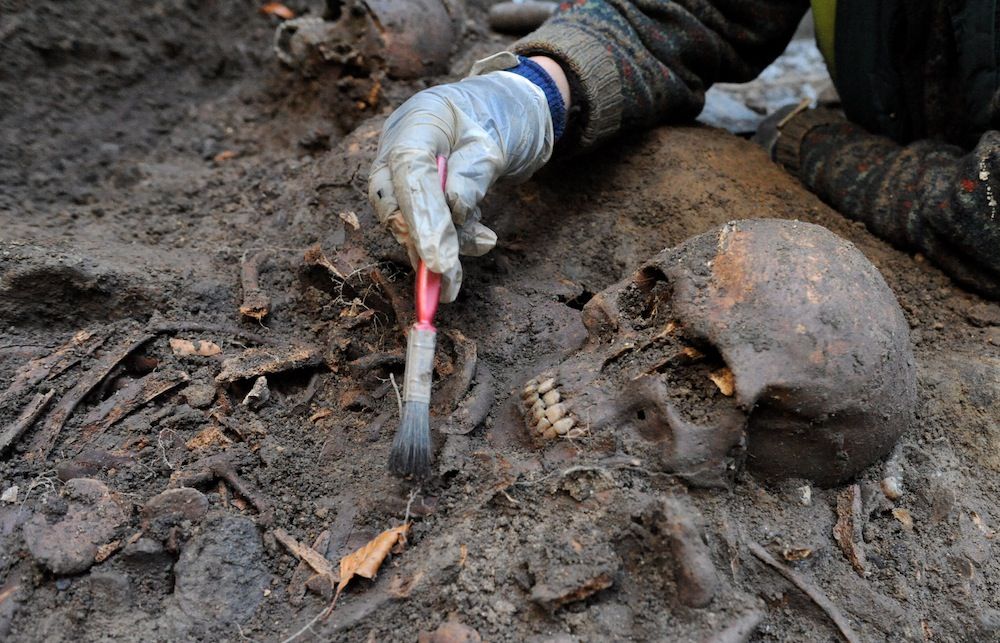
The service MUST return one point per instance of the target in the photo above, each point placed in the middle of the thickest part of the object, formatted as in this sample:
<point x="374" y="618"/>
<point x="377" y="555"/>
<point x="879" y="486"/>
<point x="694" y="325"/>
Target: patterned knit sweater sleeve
<point x="928" y="196"/>
<point x="637" y="63"/>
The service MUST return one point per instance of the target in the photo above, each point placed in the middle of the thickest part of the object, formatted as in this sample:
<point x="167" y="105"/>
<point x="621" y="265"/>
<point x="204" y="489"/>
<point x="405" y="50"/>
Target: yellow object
<point x="825" y="19"/>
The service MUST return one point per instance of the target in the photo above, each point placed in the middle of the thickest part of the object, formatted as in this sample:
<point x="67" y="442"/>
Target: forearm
<point x="927" y="196"/>
<point x="634" y="63"/>
<point x="553" y="69"/>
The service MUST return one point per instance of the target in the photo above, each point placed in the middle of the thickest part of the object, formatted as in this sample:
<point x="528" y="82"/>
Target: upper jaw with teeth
<point x="545" y="413"/>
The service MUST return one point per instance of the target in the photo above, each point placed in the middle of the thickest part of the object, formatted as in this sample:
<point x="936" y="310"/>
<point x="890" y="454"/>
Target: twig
<point x="808" y="589"/>
<point x="51" y="365"/>
<point x="409" y="503"/>
<point x="308" y="626"/>
<point x="163" y="449"/>
<point x="131" y="398"/>
<point x="163" y="327"/>
<point x="313" y="558"/>
<point x="25" y="420"/>
<point x="399" y="400"/>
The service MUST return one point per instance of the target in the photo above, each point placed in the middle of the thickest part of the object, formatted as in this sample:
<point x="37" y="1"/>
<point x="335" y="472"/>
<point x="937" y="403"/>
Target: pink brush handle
<point x="428" y="284"/>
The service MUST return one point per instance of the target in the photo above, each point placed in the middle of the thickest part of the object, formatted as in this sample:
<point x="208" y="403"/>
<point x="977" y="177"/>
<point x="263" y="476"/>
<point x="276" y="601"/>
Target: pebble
<point x="200" y="396"/>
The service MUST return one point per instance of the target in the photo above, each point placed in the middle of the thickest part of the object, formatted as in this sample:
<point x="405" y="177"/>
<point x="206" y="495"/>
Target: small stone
<point x="199" y="396"/>
<point x="10" y="495"/>
<point x="805" y="495"/>
<point x="62" y="584"/>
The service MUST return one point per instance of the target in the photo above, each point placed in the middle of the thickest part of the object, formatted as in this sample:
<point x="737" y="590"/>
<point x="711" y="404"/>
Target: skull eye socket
<point x="640" y="414"/>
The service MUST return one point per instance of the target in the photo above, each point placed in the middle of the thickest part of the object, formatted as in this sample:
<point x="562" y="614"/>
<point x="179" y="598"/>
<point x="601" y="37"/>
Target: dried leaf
<point x="723" y="378"/>
<point x="184" y="347"/>
<point x="366" y="561"/>
<point x="277" y="9"/>
<point x="351" y="219"/>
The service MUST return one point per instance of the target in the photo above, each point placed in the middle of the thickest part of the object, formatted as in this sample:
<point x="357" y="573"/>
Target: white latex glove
<point x="491" y="126"/>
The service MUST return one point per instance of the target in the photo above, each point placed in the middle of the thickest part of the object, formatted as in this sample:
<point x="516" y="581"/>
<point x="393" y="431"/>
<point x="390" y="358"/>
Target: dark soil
<point x="121" y="212"/>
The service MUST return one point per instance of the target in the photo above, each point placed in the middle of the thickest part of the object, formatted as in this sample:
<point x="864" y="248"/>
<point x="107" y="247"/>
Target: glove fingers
<point x="381" y="194"/>
<point x="472" y="168"/>
<point x="451" y="282"/>
<point x="475" y="239"/>
<point x="418" y="192"/>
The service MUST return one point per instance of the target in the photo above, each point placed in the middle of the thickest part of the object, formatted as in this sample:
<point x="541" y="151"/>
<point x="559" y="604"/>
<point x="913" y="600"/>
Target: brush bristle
<point x="411" y="450"/>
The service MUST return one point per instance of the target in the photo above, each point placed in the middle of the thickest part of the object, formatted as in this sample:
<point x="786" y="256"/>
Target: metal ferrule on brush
<point x="419" y="365"/>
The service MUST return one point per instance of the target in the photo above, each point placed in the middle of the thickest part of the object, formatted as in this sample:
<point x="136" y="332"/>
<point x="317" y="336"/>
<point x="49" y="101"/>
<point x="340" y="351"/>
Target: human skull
<point x="770" y="342"/>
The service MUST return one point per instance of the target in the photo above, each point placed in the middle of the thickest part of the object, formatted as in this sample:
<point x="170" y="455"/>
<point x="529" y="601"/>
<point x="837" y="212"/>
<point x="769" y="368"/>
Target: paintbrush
<point x="411" y="450"/>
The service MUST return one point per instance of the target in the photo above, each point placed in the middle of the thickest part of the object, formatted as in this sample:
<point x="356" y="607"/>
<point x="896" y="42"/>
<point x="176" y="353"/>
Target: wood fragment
<point x="387" y="359"/>
<point x="52" y="365"/>
<point x="220" y="467"/>
<point x="305" y="554"/>
<point x="46" y="438"/>
<point x="472" y="411"/>
<point x="25" y="420"/>
<point x="814" y="594"/>
<point x="847" y="531"/>
<point x="308" y="394"/>
<point x="134" y="396"/>
<point x="304" y="572"/>
<point x="105" y="551"/>
<point x="314" y="256"/>
<point x="161" y="327"/>
<point x="254" y="362"/>
<point x="256" y="303"/>
<point x="455" y="387"/>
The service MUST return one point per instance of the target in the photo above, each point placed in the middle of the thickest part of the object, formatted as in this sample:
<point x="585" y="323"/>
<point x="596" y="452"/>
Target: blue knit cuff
<point x="557" y="108"/>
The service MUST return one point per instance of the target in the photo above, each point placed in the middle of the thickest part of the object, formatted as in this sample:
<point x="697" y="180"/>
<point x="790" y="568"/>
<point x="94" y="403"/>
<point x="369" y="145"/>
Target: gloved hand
<point x="491" y="126"/>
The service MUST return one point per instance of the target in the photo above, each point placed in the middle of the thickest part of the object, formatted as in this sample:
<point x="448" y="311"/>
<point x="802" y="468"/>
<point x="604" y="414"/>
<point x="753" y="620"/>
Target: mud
<point x="145" y="150"/>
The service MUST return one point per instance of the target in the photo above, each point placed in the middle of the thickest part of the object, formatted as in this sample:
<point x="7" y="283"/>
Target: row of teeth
<point x="545" y="413"/>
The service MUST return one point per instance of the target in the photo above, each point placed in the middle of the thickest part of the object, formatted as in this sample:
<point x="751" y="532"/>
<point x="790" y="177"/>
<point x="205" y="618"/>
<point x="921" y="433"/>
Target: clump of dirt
<point x="147" y="152"/>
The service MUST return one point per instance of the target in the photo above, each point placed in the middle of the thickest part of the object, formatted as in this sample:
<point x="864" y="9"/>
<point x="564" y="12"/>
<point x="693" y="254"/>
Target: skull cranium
<point x="772" y="342"/>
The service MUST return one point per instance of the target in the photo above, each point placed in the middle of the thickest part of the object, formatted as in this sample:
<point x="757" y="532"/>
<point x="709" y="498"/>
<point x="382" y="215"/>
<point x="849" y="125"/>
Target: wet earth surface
<point x="171" y="465"/>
